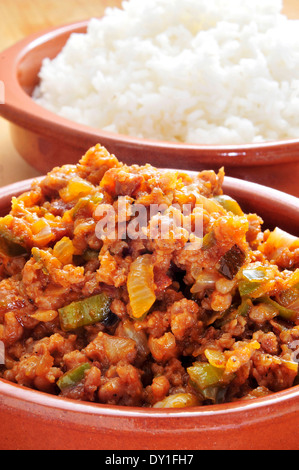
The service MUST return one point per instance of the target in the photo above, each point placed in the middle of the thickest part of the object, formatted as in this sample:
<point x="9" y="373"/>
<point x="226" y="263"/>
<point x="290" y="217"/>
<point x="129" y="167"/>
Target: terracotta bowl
<point x="45" y="140"/>
<point x="32" y="420"/>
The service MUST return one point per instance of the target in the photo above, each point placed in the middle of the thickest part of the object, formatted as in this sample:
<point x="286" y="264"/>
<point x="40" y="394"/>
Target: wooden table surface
<point x="19" y="18"/>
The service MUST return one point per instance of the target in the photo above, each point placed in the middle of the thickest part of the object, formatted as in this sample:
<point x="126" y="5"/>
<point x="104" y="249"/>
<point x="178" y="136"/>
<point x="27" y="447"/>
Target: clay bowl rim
<point x="275" y="401"/>
<point x="19" y="108"/>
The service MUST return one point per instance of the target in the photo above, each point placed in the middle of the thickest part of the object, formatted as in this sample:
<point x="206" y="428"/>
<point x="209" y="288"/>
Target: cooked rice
<point x="195" y="71"/>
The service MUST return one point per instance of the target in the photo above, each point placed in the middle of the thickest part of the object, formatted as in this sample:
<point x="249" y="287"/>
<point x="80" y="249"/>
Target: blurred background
<point x="20" y="18"/>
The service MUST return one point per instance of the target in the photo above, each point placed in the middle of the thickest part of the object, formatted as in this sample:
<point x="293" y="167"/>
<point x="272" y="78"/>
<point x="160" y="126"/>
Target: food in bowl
<point x="137" y="286"/>
<point x="192" y="71"/>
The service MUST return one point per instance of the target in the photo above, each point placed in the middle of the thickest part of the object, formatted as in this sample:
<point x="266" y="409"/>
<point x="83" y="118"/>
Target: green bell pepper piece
<point x="284" y="312"/>
<point x="73" y="376"/>
<point x="10" y="245"/>
<point x="203" y="375"/>
<point x="229" y="204"/>
<point x="84" y="312"/>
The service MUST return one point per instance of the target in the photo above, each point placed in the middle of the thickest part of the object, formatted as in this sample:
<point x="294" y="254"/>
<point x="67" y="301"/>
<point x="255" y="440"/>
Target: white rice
<point x="194" y="71"/>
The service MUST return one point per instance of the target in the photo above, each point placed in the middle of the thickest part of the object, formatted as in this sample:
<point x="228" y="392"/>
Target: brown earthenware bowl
<point x="45" y="140"/>
<point x="32" y="420"/>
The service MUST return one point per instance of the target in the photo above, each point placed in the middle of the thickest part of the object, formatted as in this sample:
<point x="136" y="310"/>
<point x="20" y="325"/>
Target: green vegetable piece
<point x="252" y="280"/>
<point x="203" y="375"/>
<point x="256" y="274"/>
<point x="36" y="254"/>
<point x="73" y="377"/>
<point x="11" y="249"/>
<point x="286" y="313"/>
<point x="208" y="241"/>
<point x="10" y="245"/>
<point x="233" y="313"/>
<point x="90" y="255"/>
<point x="84" y="312"/>
<point x="81" y="204"/>
<point x="97" y="198"/>
<point x="231" y="262"/>
<point x="84" y="202"/>
<point x="244" y="308"/>
<point x="229" y="204"/>
<point x="215" y="394"/>
<point x="247" y="288"/>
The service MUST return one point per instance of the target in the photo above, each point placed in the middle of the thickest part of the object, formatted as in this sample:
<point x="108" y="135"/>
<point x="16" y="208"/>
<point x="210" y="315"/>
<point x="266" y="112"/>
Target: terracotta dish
<point x="45" y="140"/>
<point x="37" y="421"/>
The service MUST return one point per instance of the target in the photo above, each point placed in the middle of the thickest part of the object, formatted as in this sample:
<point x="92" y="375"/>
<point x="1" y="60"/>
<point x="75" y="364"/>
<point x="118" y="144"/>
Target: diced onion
<point x="45" y="315"/>
<point x="179" y="400"/>
<point x="204" y="281"/>
<point x="141" y="286"/>
<point x="64" y="250"/>
<point x="277" y="241"/>
<point x="216" y="358"/>
<point x="42" y="232"/>
<point x="77" y="187"/>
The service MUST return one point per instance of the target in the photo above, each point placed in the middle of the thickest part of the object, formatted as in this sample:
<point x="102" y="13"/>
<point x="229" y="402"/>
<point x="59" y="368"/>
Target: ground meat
<point x="184" y="319"/>
<point x="121" y="386"/>
<point x="269" y="371"/>
<point x="113" y="270"/>
<point x="148" y="311"/>
<point x="36" y="370"/>
<point x="109" y="349"/>
<point x="163" y="348"/>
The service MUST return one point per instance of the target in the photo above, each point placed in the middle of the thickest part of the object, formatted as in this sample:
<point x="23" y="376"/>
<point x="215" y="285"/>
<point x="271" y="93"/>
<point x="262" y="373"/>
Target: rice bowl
<point x="185" y="72"/>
